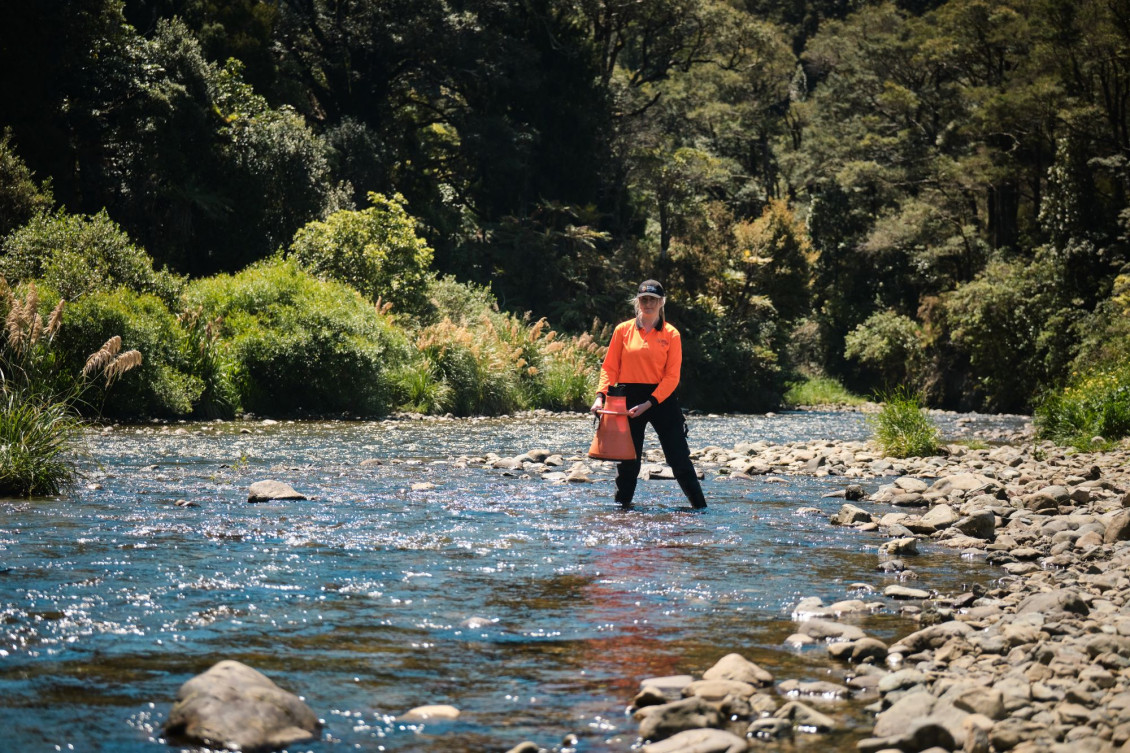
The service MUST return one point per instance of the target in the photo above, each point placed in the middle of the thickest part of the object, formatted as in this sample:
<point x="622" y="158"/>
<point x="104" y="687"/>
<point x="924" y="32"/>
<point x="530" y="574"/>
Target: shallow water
<point x="356" y="599"/>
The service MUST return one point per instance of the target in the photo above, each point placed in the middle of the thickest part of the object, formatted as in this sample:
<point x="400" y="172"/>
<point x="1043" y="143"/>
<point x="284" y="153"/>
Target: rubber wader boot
<point x="693" y="490"/>
<point x="625" y="490"/>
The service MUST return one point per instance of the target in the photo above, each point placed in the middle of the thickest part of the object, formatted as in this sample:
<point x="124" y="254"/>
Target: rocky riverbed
<point x="1039" y="662"/>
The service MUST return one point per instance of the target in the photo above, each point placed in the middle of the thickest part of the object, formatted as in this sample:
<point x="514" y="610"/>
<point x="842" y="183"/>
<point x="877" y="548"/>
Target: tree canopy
<point x="943" y="179"/>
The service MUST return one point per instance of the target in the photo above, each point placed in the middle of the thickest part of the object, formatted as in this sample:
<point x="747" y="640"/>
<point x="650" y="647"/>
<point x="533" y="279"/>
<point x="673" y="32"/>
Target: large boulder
<point x="737" y="667"/>
<point x="235" y="707"/>
<point x="265" y="491"/>
<point x="661" y="722"/>
<point x="1054" y="603"/>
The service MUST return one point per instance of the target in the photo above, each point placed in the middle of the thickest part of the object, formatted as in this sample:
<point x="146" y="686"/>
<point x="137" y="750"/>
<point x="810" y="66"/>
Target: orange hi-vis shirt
<point x="652" y="358"/>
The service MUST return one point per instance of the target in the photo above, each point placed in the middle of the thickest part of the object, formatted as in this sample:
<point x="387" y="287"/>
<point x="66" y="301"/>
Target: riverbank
<point x="1040" y="662"/>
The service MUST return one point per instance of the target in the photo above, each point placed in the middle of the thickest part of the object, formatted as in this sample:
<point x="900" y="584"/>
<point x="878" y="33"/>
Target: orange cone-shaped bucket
<point x="613" y="440"/>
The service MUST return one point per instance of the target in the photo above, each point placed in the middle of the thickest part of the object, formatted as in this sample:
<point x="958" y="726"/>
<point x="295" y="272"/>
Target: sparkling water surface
<point x="359" y="598"/>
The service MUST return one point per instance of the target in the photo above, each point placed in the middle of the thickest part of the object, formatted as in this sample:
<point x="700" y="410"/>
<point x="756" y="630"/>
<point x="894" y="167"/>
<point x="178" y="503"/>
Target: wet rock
<point x="699" y="741"/>
<point x="813" y="688"/>
<point x="649" y="696"/>
<point x="850" y="515"/>
<point x="853" y="493"/>
<point x="770" y="728"/>
<point x="899" y="546"/>
<point x="670" y="686"/>
<point x="436" y="711"/>
<point x="716" y="691"/>
<point x="234" y="706"/>
<point x="805" y="718"/>
<point x="902" y="592"/>
<point x="525" y="747"/>
<point x="661" y="722"/>
<point x="827" y="630"/>
<point x="265" y="491"/>
<point x="737" y="668"/>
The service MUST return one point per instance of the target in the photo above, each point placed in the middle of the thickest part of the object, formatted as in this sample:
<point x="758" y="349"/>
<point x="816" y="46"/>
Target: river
<point x="356" y="599"/>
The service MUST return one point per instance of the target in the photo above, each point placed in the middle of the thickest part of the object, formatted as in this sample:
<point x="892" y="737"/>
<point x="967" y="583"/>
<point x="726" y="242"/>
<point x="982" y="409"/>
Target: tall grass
<point x="901" y="428"/>
<point x="39" y="424"/>
<point x="1096" y="404"/>
<point x="37" y="441"/>
<point x="820" y="391"/>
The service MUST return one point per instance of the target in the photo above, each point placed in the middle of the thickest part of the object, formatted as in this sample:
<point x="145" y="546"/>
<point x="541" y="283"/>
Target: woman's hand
<point x="637" y="410"/>
<point x="598" y="404"/>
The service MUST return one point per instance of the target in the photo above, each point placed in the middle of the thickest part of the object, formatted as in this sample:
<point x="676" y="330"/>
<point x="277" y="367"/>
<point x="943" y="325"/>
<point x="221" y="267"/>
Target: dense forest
<point x="917" y="193"/>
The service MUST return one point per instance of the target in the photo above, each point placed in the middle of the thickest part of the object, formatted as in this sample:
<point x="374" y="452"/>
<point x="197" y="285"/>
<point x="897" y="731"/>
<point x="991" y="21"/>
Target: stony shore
<point x="1038" y="662"/>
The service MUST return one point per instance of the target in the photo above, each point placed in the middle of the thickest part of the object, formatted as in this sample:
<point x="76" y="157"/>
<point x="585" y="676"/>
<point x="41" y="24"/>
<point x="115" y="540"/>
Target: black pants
<point x="667" y="418"/>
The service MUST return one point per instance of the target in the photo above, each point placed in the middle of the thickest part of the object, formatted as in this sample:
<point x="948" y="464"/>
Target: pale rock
<point x="265" y="491"/>
<point x="736" y="667"/>
<point x="435" y="711"/>
<point x="699" y="741"/>
<point x="233" y="706"/>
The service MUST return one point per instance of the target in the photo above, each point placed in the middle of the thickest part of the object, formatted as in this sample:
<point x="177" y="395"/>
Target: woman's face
<point x="649" y="304"/>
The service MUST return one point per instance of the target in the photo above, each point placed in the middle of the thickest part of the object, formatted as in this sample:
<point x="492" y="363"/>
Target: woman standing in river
<point x="643" y="363"/>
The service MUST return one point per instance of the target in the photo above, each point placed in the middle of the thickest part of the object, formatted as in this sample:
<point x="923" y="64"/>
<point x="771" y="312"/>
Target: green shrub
<point x="165" y="385"/>
<point x="301" y="344"/>
<point x="79" y="254"/>
<point x="889" y="344"/>
<point x="210" y="359"/>
<point x="820" y="391"/>
<point x="728" y="364"/>
<point x="39" y="395"/>
<point x="374" y="250"/>
<point x="1009" y="331"/>
<point x="461" y="302"/>
<point x="1095" y="404"/>
<point x="901" y="428"/>
<point x="20" y="197"/>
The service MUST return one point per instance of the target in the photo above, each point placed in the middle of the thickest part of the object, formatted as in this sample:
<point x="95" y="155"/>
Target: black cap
<point x="651" y="287"/>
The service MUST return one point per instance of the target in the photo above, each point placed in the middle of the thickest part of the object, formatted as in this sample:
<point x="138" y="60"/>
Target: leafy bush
<point x="301" y="344"/>
<point x="20" y="197"/>
<point x="210" y="360"/>
<point x="79" y="254"/>
<point x="374" y="250"/>
<point x="1011" y="330"/>
<point x="728" y="364"/>
<point x="461" y="302"/>
<point x="901" y="428"/>
<point x="890" y="344"/>
<point x="1095" y="404"/>
<point x="820" y="391"/>
<point x="164" y="385"/>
